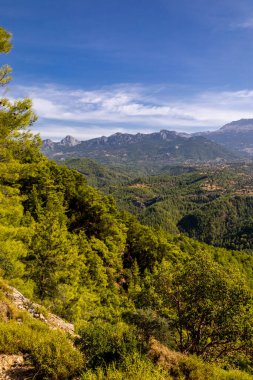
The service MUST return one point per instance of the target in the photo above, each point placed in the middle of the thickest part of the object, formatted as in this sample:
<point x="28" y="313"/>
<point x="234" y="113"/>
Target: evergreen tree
<point x="53" y="257"/>
<point x="15" y="145"/>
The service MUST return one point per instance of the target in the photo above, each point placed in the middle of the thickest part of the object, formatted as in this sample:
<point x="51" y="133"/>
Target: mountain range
<point x="232" y="142"/>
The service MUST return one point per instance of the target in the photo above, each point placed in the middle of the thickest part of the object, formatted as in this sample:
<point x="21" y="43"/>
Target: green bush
<point x="15" y="337"/>
<point x="192" y="368"/>
<point x="150" y="323"/>
<point x="52" y="354"/>
<point x="133" y="367"/>
<point x="104" y="343"/>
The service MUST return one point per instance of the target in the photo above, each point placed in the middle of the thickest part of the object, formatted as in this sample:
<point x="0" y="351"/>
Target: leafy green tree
<point x="209" y="307"/>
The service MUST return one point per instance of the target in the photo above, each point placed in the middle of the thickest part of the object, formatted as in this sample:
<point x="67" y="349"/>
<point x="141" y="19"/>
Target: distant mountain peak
<point x="48" y="144"/>
<point x="239" y="125"/>
<point x="165" y="134"/>
<point x="48" y="141"/>
<point x="69" y="141"/>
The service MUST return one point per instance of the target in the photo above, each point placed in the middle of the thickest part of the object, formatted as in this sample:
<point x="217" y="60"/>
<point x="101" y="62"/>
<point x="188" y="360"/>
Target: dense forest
<point x="147" y="302"/>
<point x="211" y="203"/>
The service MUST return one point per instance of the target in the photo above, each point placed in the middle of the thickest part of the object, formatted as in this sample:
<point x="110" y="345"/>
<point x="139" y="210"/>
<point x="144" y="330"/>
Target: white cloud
<point x="131" y="108"/>
<point x="246" y="24"/>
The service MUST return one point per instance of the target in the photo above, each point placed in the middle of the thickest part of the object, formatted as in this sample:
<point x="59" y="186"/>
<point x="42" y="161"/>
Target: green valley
<point x="211" y="202"/>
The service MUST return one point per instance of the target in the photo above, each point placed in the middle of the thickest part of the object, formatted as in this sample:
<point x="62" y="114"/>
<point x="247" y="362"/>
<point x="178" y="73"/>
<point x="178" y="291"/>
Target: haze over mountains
<point x="232" y="142"/>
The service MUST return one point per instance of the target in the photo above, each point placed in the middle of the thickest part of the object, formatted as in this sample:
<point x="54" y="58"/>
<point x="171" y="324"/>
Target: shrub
<point x="183" y="367"/>
<point x="52" y="354"/>
<point x="55" y="357"/>
<point x="133" y="367"/>
<point x="104" y="343"/>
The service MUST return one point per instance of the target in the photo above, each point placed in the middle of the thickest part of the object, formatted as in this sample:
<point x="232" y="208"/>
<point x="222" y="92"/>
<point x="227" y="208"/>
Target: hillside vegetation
<point x="145" y="303"/>
<point x="211" y="203"/>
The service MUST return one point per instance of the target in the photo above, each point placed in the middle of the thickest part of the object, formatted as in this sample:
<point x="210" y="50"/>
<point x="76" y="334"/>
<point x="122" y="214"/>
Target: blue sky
<point x="95" y="67"/>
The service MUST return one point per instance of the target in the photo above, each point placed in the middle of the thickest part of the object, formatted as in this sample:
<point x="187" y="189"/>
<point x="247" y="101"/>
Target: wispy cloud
<point x="131" y="108"/>
<point x="246" y="24"/>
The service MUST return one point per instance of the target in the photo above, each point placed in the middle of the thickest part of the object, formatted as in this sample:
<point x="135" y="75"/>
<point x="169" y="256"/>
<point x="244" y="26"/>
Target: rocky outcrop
<point x="20" y="366"/>
<point x="38" y="312"/>
<point x="69" y="141"/>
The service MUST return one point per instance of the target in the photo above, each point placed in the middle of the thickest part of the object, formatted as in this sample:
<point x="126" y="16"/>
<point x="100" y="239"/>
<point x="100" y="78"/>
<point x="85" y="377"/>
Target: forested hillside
<point x="212" y="203"/>
<point x="145" y="303"/>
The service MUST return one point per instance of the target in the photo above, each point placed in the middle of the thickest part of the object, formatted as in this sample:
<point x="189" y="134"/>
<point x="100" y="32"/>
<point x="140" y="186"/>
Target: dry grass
<point x="162" y="355"/>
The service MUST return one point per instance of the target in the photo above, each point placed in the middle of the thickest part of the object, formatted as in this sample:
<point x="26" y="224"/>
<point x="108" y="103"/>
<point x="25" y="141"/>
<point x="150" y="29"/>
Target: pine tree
<point x="16" y="146"/>
<point x="53" y="257"/>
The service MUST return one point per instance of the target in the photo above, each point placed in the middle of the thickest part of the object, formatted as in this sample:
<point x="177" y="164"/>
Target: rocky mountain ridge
<point x="236" y="136"/>
<point x="155" y="149"/>
<point x="237" y="126"/>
